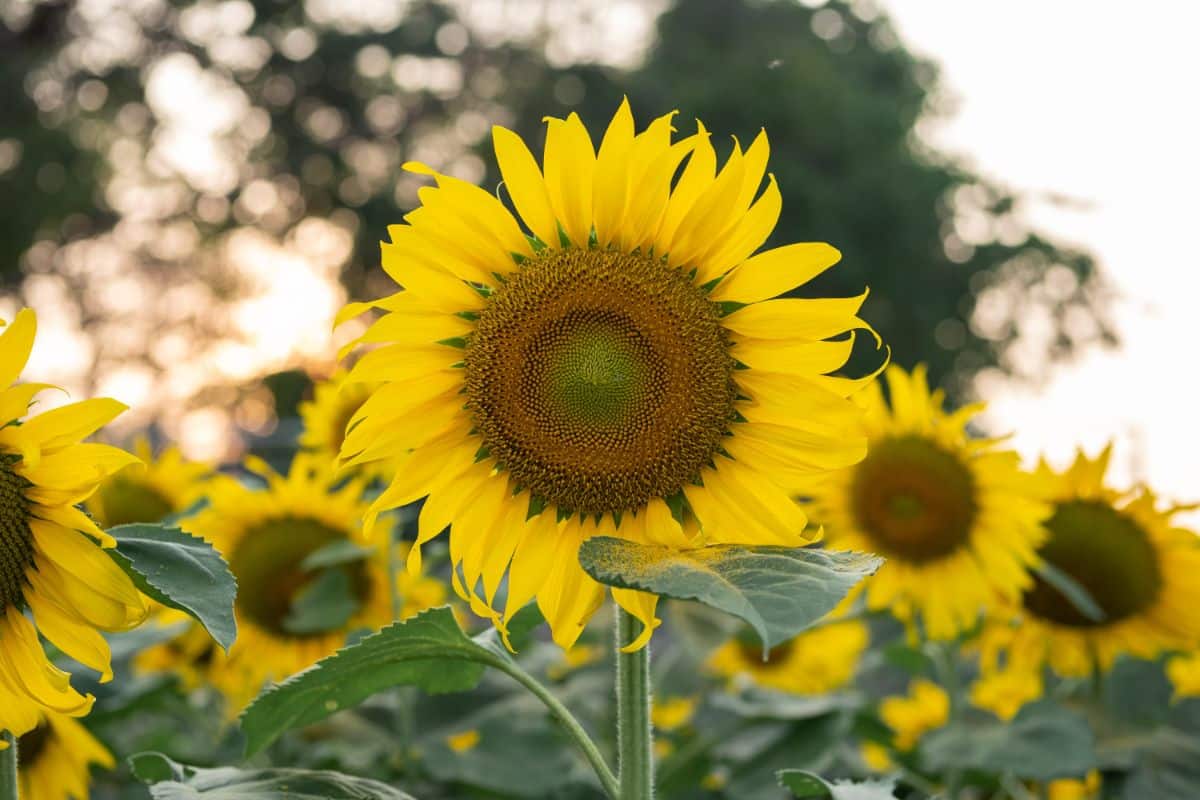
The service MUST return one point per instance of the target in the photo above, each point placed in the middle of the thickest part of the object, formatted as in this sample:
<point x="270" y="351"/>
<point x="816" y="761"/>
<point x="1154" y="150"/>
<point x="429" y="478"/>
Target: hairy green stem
<point x="634" y="734"/>
<point x="8" y="768"/>
<point x="565" y="718"/>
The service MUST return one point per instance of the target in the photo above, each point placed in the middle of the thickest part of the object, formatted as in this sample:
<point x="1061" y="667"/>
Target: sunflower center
<point x="1104" y="551"/>
<point x="126" y="501"/>
<point x="913" y="499"/>
<point x="268" y="564"/>
<point x="31" y="745"/>
<point x="751" y="650"/>
<point x="600" y="379"/>
<point x="16" y="539"/>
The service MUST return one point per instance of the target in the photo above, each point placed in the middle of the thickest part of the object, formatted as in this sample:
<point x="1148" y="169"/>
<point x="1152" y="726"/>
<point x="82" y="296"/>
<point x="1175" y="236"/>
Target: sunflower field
<point x="602" y="477"/>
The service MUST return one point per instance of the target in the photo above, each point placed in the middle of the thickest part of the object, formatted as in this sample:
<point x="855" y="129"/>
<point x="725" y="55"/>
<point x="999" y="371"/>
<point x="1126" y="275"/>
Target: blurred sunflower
<point x="51" y="562"/>
<point x="326" y="416"/>
<point x="294" y="546"/>
<point x="955" y="517"/>
<point x="1184" y="674"/>
<point x="819" y="660"/>
<point x="1137" y="566"/>
<point x="54" y="759"/>
<point x="925" y="708"/>
<point x="167" y="485"/>
<point x="623" y="371"/>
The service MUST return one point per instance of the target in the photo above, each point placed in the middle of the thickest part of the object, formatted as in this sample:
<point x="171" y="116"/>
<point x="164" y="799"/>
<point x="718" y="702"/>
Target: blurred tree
<point x="181" y="145"/>
<point x="956" y="277"/>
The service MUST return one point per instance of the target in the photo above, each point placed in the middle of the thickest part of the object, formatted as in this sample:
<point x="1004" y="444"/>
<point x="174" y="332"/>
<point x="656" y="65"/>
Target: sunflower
<point x="819" y="660"/>
<point x="51" y="559"/>
<point x="955" y="517"/>
<point x="54" y="759"/>
<point x="327" y="414"/>
<point x="1128" y="555"/>
<point x="266" y="535"/>
<point x="166" y="485"/>
<point x="925" y="708"/>
<point x="620" y="370"/>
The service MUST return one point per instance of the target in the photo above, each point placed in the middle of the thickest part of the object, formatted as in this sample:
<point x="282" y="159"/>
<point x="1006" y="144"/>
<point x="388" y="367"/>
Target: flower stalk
<point x="8" y="768"/>
<point x="634" y="732"/>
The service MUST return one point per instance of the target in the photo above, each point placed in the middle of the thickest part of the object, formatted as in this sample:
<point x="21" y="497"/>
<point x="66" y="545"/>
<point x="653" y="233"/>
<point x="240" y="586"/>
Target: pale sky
<point x="1096" y="101"/>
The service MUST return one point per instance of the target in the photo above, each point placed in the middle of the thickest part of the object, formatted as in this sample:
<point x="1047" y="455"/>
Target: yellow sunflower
<point x="622" y="370"/>
<point x="54" y="759"/>
<point x="926" y="707"/>
<point x="326" y="415"/>
<point x="166" y="485"/>
<point x="51" y="562"/>
<point x="955" y="517"/>
<point x="266" y="535"/>
<point x="819" y="660"/>
<point x="1134" y="562"/>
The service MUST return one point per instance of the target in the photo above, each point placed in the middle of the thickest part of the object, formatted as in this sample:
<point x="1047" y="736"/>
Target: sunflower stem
<point x="8" y="768"/>
<point x="634" y="734"/>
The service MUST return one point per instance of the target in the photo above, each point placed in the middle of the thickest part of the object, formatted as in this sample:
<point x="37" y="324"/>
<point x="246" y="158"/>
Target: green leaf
<point x="180" y="571"/>
<point x="1043" y="742"/>
<point x="807" y="786"/>
<point x="1071" y="589"/>
<point x="780" y="591"/>
<point x="325" y="604"/>
<point x="767" y="704"/>
<point x="172" y="781"/>
<point x="428" y="651"/>
<point x="336" y="553"/>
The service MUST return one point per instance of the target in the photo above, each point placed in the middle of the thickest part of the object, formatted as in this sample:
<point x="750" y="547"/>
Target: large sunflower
<point x="622" y="370"/>
<point x="1134" y="562"/>
<point x="54" y="759"/>
<point x="51" y="563"/>
<point x="955" y="517"/>
<point x="166" y="485"/>
<point x="266" y="535"/>
<point x="817" y="661"/>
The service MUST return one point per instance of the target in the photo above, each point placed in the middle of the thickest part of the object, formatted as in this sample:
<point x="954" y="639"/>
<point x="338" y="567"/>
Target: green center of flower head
<point x="1104" y="551"/>
<point x="16" y="539"/>
<point x="600" y="379"/>
<point x="31" y="745"/>
<point x="268" y="563"/>
<point x="914" y="500"/>
<point x="125" y="501"/>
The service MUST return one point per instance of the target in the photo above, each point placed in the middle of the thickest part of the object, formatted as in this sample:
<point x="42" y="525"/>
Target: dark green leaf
<point x="326" y="604"/>
<point x="1169" y="769"/>
<point x="780" y="591"/>
<point x="339" y="551"/>
<point x="428" y="651"/>
<point x="180" y="571"/>
<point x="1043" y="742"/>
<point x="171" y="781"/>
<point x="807" y="786"/>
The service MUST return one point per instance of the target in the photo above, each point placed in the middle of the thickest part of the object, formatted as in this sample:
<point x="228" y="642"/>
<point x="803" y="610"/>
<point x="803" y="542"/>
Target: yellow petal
<point x="747" y="235"/>
<point x="641" y="605"/>
<point x="570" y="164"/>
<point x="525" y="185"/>
<point x="611" y="184"/>
<point x="798" y="318"/>
<point x="71" y="423"/>
<point x="16" y="342"/>
<point x="72" y="635"/>
<point x="27" y="666"/>
<point x="773" y="272"/>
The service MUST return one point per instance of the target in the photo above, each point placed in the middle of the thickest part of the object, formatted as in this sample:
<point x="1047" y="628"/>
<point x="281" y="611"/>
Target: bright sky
<point x="1096" y="101"/>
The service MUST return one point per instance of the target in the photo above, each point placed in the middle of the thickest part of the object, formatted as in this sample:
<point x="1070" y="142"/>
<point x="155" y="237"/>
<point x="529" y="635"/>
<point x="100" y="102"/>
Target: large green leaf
<point x="780" y="591"/>
<point x="807" y="786"/>
<point x="1043" y="742"/>
<point x="180" y="571"/>
<point x="172" y="781"/>
<point x="428" y="651"/>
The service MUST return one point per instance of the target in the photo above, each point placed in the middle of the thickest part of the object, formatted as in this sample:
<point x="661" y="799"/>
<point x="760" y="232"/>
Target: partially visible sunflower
<point x="1184" y="674"/>
<point x="817" y="661"/>
<point x="54" y="759"/>
<point x="51" y="559"/>
<point x="1085" y="788"/>
<point x="926" y="707"/>
<point x="622" y="369"/>
<point x="266" y="535"/>
<point x="955" y="517"/>
<point x="1004" y="692"/>
<point x="1135" y="563"/>
<point x="166" y="485"/>
<point x="326" y="416"/>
